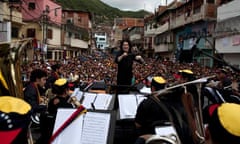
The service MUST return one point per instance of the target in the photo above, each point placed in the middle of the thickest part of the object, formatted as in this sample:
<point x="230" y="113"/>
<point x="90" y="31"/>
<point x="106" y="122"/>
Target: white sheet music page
<point x="127" y="105"/>
<point x="75" y="92"/>
<point x="102" y="101"/>
<point x="165" y="130"/>
<point x="140" y="98"/>
<point x="79" y="95"/>
<point x="88" y="99"/>
<point x="95" y="128"/>
<point x="72" y="134"/>
<point x="145" y="90"/>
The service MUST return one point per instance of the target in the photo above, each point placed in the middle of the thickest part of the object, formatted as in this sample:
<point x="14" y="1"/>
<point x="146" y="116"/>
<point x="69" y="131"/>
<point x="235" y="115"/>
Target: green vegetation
<point x="100" y="11"/>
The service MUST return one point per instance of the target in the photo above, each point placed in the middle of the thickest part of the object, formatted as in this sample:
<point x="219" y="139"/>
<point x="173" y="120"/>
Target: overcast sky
<point x="135" y="5"/>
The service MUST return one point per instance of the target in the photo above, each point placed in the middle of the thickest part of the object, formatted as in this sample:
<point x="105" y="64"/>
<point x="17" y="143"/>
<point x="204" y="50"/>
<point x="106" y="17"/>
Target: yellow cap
<point x="12" y="104"/>
<point x="60" y="82"/>
<point x="159" y="80"/>
<point x="187" y="71"/>
<point x="229" y="117"/>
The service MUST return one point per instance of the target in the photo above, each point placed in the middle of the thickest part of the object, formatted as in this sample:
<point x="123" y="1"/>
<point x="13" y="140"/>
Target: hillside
<point x="100" y="11"/>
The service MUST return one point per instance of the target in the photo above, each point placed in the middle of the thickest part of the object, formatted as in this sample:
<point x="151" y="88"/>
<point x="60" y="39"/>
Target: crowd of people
<point x="123" y="69"/>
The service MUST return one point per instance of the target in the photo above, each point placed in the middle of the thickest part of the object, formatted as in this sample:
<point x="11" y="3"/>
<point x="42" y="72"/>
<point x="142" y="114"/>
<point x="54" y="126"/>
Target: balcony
<point x="207" y="11"/>
<point x="135" y="37"/>
<point x="163" y="48"/>
<point x="158" y="30"/>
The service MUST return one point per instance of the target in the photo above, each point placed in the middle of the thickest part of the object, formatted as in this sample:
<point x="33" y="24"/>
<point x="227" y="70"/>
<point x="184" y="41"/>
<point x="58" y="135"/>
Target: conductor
<point x="125" y="59"/>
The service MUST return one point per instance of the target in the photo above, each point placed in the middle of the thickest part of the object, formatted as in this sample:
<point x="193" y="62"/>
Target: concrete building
<point x="101" y="40"/>
<point x="227" y="32"/>
<point x="43" y="23"/>
<point x="174" y="29"/>
<point x="11" y="24"/>
<point x="76" y="33"/>
<point x="119" y="25"/>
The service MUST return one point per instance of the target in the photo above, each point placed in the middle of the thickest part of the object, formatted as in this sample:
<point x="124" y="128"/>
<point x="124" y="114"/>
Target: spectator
<point x="55" y="74"/>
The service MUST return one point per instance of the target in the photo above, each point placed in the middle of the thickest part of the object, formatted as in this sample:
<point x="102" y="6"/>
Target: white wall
<point x="228" y="10"/>
<point x="56" y="39"/>
<point x="5" y="32"/>
<point x="229" y="44"/>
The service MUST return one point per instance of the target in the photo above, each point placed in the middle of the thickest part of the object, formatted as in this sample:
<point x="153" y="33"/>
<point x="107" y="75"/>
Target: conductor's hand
<point x="124" y="54"/>
<point x="139" y="58"/>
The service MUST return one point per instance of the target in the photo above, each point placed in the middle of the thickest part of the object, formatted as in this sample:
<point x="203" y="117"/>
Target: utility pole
<point x="44" y="31"/>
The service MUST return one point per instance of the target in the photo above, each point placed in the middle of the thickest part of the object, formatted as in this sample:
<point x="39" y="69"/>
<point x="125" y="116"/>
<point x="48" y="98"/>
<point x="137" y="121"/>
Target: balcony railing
<point x="207" y="11"/>
<point x="163" y="48"/>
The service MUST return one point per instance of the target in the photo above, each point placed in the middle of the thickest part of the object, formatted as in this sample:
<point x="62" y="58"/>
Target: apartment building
<point x="174" y="29"/>
<point x="227" y="32"/>
<point x="43" y="24"/>
<point x="76" y="34"/>
<point x="119" y="25"/>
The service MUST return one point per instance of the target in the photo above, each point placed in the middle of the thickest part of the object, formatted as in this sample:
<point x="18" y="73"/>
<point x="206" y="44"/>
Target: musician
<point x="178" y="100"/>
<point x="187" y="75"/>
<point x="31" y="92"/>
<point x="14" y="120"/>
<point x="222" y="76"/>
<point x="61" y="89"/>
<point x="124" y="60"/>
<point x="224" y="85"/>
<point x="223" y="124"/>
<point x="55" y="74"/>
<point x="148" y="112"/>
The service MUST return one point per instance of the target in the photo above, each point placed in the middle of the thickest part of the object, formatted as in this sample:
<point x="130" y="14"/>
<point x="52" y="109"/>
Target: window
<point x="69" y="35"/>
<point x="49" y="55"/>
<point x="31" y="6"/>
<point x="211" y="1"/>
<point x="77" y="36"/>
<point x="101" y="39"/>
<point x="205" y="61"/>
<point x="55" y="12"/>
<point x="15" y="32"/>
<point x="79" y="19"/>
<point x="49" y="34"/>
<point x="31" y="32"/>
<point x="47" y="9"/>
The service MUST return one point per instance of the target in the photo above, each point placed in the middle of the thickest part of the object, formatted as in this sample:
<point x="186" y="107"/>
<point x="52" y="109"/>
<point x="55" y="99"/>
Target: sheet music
<point x="90" y="128"/>
<point x="165" y="130"/>
<point x="75" y="92"/>
<point x="145" y="90"/>
<point x="102" y="101"/>
<point x="79" y="95"/>
<point x="140" y="98"/>
<point x="95" y="128"/>
<point x="89" y="98"/>
<point x="67" y="135"/>
<point x="127" y="106"/>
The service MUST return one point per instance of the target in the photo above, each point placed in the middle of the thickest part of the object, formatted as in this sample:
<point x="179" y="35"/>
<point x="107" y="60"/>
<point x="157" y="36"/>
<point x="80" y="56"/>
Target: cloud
<point x="135" y="5"/>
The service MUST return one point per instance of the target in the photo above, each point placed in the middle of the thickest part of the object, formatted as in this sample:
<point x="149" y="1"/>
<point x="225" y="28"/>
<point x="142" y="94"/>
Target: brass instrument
<point x="10" y="74"/>
<point x="191" y="107"/>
